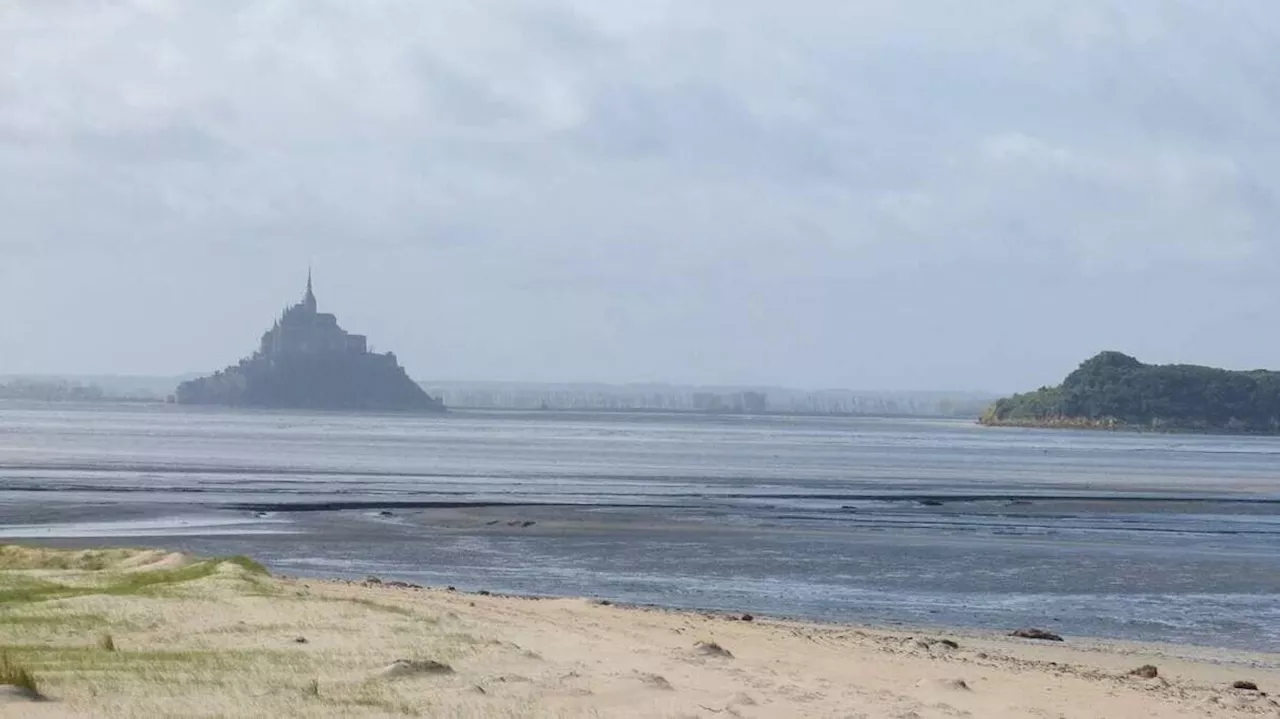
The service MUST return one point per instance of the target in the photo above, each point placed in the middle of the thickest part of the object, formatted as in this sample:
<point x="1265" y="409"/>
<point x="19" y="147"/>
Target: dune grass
<point x="68" y="620"/>
<point x="376" y="606"/>
<point x="37" y="584"/>
<point x="167" y="635"/>
<point x="99" y="573"/>
<point x="17" y="675"/>
<point x="14" y="556"/>
<point x="148" y="633"/>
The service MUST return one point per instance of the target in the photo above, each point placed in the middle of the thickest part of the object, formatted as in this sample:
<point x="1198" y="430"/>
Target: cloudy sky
<point x="880" y="194"/>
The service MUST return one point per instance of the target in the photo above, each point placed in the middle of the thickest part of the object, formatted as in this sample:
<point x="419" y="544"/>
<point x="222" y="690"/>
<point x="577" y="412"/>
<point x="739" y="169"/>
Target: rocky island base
<point x="144" y="633"/>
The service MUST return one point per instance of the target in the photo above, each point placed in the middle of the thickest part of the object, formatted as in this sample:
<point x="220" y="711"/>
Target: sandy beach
<point x="125" y="633"/>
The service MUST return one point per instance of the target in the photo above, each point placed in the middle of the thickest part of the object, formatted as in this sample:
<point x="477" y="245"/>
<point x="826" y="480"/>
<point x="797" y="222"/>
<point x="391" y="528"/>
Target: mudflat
<point x="904" y="522"/>
<point x="124" y="633"/>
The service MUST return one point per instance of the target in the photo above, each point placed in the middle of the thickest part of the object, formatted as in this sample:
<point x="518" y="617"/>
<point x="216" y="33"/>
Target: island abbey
<point x="303" y="330"/>
<point x="307" y="361"/>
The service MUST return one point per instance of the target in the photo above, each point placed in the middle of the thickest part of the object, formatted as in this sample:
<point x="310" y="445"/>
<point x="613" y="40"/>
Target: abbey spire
<point x="309" y="299"/>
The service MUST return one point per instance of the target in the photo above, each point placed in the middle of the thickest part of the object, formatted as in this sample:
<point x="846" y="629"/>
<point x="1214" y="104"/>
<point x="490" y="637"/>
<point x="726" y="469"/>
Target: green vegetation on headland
<point x="1114" y="390"/>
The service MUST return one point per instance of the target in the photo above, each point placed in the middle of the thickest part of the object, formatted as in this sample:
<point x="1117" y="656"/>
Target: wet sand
<point x="895" y="522"/>
<point x="901" y="575"/>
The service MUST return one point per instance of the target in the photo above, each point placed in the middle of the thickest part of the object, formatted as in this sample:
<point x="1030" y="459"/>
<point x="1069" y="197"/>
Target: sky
<point x="881" y="194"/>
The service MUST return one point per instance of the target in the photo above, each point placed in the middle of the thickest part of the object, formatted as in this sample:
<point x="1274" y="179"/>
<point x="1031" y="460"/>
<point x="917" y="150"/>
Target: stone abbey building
<point x="303" y="330"/>
<point x="307" y="361"/>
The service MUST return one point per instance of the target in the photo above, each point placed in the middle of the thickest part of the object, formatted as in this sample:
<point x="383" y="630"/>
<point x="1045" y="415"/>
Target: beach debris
<point x="713" y="649"/>
<point x="385" y="513"/>
<point x="372" y="580"/>
<point x="1245" y="685"/>
<point x="451" y="588"/>
<point x="747" y="618"/>
<point x="952" y="685"/>
<point x="657" y="681"/>
<point x="1039" y="634"/>
<point x="936" y="644"/>
<point x="402" y="585"/>
<point x="300" y="640"/>
<point x="485" y="593"/>
<point x="602" y="602"/>
<point x="413" y="667"/>
<point x="1146" y="671"/>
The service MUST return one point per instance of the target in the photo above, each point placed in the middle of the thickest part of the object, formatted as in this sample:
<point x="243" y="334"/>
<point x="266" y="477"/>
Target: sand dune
<point x="218" y="638"/>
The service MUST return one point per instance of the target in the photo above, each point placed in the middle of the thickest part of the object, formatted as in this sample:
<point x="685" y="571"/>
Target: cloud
<point x="714" y="176"/>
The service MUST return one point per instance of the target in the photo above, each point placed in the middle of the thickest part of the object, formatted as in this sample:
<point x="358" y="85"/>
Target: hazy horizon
<point x="120" y="380"/>
<point x="896" y="196"/>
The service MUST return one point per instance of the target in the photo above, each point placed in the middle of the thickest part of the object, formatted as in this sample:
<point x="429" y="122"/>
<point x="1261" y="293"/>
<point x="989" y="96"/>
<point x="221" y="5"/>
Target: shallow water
<point x="1153" y="537"/>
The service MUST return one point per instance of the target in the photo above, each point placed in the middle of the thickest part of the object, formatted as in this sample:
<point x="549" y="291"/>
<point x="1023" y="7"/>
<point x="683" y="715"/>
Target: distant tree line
<point x="688" y="398"/>
<point x="50" y="391"/>
<point x="1114" y="389"/>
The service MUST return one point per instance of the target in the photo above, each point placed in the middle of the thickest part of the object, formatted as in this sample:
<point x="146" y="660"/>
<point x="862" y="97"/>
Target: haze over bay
<point x="874" y="195"/>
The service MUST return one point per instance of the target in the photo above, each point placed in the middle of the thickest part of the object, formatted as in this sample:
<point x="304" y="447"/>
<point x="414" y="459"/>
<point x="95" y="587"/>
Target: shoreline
<point x="149" y="633"/>
<point x="1177" y="650"/>
<point x="1117" y="426"/>
<point x="359" y="544"/>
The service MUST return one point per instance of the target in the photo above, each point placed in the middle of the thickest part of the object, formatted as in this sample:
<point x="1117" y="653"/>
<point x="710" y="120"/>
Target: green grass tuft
<point x="246" y="563"/>
<point x="33" y="590"/>
<point x="141" y="582"/>
<point x="58" y="620"/>
<point x="145" y="663"/>
<point x="15" y="588"/>
<point x="16" y="675"/>
<point x="376" y="606"/>
<point x="145" y="582"/>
